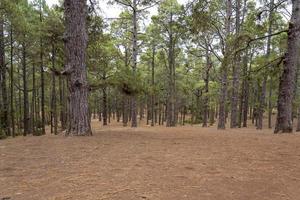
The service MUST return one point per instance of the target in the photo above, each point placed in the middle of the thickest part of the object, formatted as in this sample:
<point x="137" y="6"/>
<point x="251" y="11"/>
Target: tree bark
<point x="270" y="106"/>
<point x="104" y="106"/>
<point x="235" y="73"/>
<point x="134" y="63"/>
<point x="152" y="83"/>
<point x="170" y="119"/>
<point x="54" y="106"/>
<point x="224" y="65"/>
<point x="206" y="89"/>
<point x="42" y="76"/>
<point x="287" y="79"/>
<point x="75" y="67"/>
<point x="12" y="114"/>
<point x="25" y="92"/>
<point x="4" y="124"/>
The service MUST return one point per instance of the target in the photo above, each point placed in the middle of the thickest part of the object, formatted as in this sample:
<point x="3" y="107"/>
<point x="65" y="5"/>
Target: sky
<point x="112" y="11"/>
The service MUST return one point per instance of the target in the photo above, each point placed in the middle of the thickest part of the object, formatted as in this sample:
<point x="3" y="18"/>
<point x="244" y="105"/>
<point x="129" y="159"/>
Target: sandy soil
<point x="158" y="163"/>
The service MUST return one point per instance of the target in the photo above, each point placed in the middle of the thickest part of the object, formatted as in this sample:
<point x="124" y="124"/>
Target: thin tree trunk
<point x="125" y="110"/>
<point x="206" y="89"/>
<point x="33" y="103"/>
<point x="152" y="83"/>
<point x="25" y="93"/>
<point x="224" y="65"/>
<point x="54" y="107"/>
<point x="171" y="121"/>
<point x="42" y="76"/>
<point x="104" y="106"/>
<point x="12" y="114"/>
<point x="298" y="120"/>
<point x="246" y="94"/>
<point x="134" y="62"/>
<point x="235" y="73"/>
<point x="270" y="106"/>
<point x="4" y="113"/>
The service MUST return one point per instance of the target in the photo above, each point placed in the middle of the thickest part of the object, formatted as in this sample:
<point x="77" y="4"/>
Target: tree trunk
<point x="42" y="76"/>
<point x="125" y="110"/>
<point x="33" y="102"/>
<point x="104" y="106"/>
<point x="262" y="99"/>
<point x="224" y="65"/>
<point x="235" y="73"/>
<point x="54" y="107"/>
<point x="270" y="106"/>
<point x="4" y="124"/>
<point x="152" y="83"/>
<point x="25" y="92"/>
<point x="206" y="89"/>
<point x="75" y="68"/>
<point x="134" y="63"/>
<point x="12" y="114"/>
<point x="287" y="79"/>
<point x="246" y="94"/>
<point x="171" y="93"/>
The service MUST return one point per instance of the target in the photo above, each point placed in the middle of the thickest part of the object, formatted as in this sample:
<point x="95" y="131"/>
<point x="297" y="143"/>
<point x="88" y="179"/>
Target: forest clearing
<point x="149" y="99"/>
<point x="121" y="163"/>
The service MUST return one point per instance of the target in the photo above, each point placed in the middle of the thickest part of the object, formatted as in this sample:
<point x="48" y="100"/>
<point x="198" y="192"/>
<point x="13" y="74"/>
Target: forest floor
<point x="154" y="163"/>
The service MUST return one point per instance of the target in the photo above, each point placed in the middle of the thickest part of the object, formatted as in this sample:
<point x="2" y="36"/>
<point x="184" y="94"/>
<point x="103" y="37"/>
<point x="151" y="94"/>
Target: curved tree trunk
<point x="75" y="68"/>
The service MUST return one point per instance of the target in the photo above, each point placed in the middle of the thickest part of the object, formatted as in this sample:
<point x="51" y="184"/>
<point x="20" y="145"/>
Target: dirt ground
<point x="159" y="163"/>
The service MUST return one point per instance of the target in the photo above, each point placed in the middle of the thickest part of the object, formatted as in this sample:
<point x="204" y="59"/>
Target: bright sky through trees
<point x="111" y="11"/>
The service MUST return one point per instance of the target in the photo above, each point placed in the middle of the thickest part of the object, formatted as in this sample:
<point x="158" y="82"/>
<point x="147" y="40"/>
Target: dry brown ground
<point x="158" y="163"/>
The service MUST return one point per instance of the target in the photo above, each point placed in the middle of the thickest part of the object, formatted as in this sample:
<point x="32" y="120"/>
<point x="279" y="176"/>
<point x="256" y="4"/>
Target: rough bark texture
<point x="4" y="126"/>
<point x="54" y="120"/>
<point x="235" y="74"/>
<point x="298" y="120"/>
<point x="246" y="90"/>
<point x="25" y="92"/>
<point x="134" y="63"/>
<point x="270" y="106"/>
<point x="12" y="114"/>
<point x="170" y="118"/>
<point x="287" y="79"/>
<point x="206" y="89"/>
<point x="33" y="102"/>
<point x="75" y="68"/>
<point x="42" y="77"/>
<point x="225" y="62"/>
<point x="104" y="106"/>
<point x="152" y="83"/>
<point x="125" y="110"/>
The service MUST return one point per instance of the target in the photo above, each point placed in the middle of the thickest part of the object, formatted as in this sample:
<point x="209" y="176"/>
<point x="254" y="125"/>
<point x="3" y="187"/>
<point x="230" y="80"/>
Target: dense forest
<point x="227" y="63"/>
